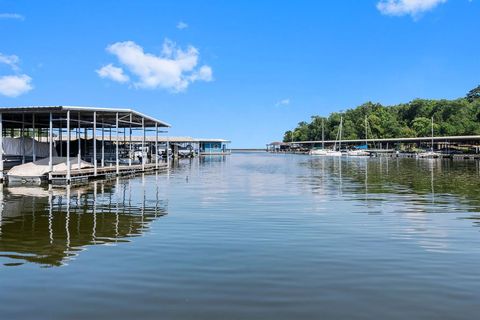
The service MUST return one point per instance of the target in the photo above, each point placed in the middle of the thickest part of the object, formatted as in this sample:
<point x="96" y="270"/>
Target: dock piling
<point x="1" y="147"/>
<point x="69" y="164"/>
<point x="34" y="156"/>
<point x="117" y="163"/>
<point x="79" y="136"/>
<point x="23" y="138"/>
<point x="156" y="146"/>
<point x="50" y="147"/>
<point x="103" y="146"/>
<point x="94" y="136"/>
<point x="130" y="153"/>
<point x="143" y="145"/>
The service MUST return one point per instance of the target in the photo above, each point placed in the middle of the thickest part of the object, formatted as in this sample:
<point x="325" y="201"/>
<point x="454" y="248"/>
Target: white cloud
<point x="204" y="74"/>
<point x="407" y="7"/>
<point x="182" y="25"/>
<point x="14" y="16"/>
<point x="173" y="69"/>
<point x="113" y="73"/>
<point x="15" y="85"/>
<point x="11" y="60"/>
<point x="283" y="102"/>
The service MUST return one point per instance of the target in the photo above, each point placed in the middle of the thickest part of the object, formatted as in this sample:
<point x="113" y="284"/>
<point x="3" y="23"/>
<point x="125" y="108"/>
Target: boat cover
<point x="362" y="147"/>
<point x="40" y="168"/>
<point x="15" y="147"/>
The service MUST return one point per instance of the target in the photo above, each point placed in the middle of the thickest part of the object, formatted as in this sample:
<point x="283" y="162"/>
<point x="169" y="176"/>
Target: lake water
<point x="249" y="236"/>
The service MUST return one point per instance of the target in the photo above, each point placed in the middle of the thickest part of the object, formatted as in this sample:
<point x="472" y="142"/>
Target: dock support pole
<point x="79" y="154"/>
<point x="94" y="135"/>
<point x="167" y="151"/>
<point x="85" y="144"/>
<point x="103" y="145"/>
<point x="111" y="141"/>
<point x="1" y="147"/>
<point x="124" y="139"/>
<point x="34" y="156"/>
<point x="69" y="164"/>
<point x="60" y="139"/>
<point x="50" y="148"/>
<point x="156" y="146"/>
<point x="23" y="138"/>
<point x="117" y="161"/>
<point x="143" y="144"/>
<point x="130" y="154"/>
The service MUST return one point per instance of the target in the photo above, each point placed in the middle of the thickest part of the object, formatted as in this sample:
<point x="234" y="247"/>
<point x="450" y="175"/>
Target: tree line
<point x="413" y="119"/>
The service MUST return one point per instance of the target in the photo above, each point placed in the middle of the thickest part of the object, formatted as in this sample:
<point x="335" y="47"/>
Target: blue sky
<point x="241" y="70"/>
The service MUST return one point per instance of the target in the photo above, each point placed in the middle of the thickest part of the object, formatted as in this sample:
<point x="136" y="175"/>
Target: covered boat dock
<point x="448" y="144"/>
<point x="68" y="144"/>
<point x="210" y="147"/>
<point x="181" y="147"/>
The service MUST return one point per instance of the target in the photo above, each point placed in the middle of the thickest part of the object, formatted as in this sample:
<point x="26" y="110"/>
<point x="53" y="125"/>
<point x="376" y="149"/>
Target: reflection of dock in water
<point x="50" y="226"/>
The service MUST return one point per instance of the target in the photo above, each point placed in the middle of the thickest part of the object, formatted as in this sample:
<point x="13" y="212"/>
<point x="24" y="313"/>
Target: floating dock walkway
<point x="81" y="176"/>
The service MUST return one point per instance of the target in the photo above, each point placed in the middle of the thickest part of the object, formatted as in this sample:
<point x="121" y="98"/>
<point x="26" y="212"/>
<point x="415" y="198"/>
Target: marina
<point x="455" y="147"/>
<point x="244" y="160"/>
<point x="63" y="145"/>
<point x="180" y="147"/>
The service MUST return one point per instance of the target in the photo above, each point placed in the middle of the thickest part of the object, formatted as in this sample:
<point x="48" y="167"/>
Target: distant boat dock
<point x="454" y="147"/>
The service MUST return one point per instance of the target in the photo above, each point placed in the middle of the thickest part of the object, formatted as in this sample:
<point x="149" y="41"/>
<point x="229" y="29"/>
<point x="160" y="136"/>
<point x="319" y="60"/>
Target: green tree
<point x="413" y="119"/>
<point x="473" y="94"/>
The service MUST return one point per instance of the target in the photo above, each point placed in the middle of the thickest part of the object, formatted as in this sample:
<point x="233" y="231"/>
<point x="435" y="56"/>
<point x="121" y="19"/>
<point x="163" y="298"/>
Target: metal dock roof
<point x="14" y="116"/>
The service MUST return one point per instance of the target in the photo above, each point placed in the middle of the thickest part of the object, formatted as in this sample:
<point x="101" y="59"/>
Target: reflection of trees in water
<point x="423" y="176"/>
<point x="412" y="194"/>
<point x="49" y="226"/>
<point x="386" y="175"/>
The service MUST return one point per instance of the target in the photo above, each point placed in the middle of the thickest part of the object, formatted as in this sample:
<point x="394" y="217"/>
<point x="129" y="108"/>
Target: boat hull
<point x="428" y="155"/>
<point x="318" y="152"/>
<point x="334" y="154"/>
<point x="30" y="180"/>
<point x="358" y="153"/>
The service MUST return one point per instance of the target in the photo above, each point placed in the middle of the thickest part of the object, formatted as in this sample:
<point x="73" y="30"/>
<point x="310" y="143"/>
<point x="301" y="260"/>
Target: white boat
<point x="429" y="154"/>
<point x="325" y="152"/>
<point x="36" y="172"/>
<point x="336" y="151"/>
<point x="328" y="152"/>
<point x="322" y="151"/>
<point x="358" y="153"/>
<point x="361" y="152"/>
<point x="318" y="152"/>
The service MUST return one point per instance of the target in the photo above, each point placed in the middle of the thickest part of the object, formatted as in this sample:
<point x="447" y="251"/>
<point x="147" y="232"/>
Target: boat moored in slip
<point x="358" y="153"/>
<point x="322" y="151"/>
<point x="325" y="153"/>
<point x="318" y="152"/>
<point x="428" y="155"/>
<point x="334" y="153"/>
<point x="361" y="151"/>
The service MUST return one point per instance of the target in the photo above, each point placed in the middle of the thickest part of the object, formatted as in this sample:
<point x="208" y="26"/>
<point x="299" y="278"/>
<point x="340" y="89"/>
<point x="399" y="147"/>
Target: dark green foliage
<point x="473" y="94"/>
<point x="413" y="119"/>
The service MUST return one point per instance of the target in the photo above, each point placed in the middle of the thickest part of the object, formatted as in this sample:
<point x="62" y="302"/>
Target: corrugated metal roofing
<point x="86" y="114"/>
